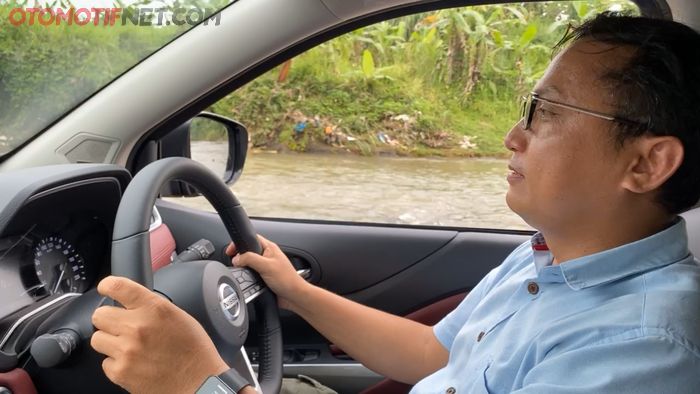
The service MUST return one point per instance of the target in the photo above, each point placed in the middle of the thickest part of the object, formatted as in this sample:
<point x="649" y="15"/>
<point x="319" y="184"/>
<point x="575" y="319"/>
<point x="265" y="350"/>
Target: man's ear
<point x="655" y="159"/>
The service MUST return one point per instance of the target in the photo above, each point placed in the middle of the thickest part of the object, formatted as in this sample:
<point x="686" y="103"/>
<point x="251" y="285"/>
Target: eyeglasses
<point x="529" y="106"/>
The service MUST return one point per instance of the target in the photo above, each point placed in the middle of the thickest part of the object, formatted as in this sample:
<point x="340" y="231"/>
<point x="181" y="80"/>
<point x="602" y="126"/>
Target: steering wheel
<point x="214" y="294"/>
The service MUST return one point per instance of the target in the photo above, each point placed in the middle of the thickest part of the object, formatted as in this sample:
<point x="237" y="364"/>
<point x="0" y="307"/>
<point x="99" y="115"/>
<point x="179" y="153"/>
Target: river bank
<point x="395" y="136"/>
<point x="362" y="149"/>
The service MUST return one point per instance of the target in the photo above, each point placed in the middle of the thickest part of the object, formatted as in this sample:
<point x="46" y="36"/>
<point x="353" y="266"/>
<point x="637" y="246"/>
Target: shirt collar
<point x="663" y="248"/>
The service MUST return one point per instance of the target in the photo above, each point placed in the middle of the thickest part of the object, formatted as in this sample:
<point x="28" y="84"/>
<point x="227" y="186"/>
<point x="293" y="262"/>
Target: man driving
<point x="604" y="298"/>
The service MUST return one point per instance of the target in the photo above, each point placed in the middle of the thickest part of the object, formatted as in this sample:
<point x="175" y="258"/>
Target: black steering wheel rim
<point x="130" y="256"/>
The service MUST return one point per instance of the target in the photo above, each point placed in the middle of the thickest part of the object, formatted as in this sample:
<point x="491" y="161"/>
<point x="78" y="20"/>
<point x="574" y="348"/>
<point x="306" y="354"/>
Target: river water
<point x="418" y="191"/>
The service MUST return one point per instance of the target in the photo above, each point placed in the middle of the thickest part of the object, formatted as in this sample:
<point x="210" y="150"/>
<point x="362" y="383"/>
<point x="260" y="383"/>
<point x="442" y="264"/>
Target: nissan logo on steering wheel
<point x="229" y="302"/>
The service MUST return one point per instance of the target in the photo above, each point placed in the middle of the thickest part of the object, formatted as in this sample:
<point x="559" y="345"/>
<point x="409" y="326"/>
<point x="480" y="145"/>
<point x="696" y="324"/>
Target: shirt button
<point x="533" y="288"/>
<point x="450" y="390"/>
<point x="478" y="338"/>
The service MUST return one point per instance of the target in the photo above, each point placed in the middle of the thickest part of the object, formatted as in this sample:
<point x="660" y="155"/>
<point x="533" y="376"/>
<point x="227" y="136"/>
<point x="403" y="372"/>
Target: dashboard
<point x="55" y="235"/>
<point x="58" y="244"/>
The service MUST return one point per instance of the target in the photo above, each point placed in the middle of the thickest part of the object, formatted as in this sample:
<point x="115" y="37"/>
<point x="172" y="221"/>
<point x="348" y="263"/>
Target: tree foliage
<point x="47" y="70"/>
<point x="458" y="70"/>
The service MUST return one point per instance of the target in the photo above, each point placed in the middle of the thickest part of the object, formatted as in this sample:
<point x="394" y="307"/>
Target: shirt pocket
<point x="480" y="386"/>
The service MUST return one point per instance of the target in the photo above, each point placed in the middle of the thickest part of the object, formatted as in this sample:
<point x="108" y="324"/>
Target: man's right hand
<point x="275" y="269"/>
<point x="152" y="346"/>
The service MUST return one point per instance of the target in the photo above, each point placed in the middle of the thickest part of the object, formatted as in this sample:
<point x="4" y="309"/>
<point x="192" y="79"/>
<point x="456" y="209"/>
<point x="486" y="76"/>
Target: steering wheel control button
<point x="244" y="278"/>
<point x="533" y="288"/>
<point x="50" y="350"/>
<point x="229" y="302"/>
<point x="250" y="285"/>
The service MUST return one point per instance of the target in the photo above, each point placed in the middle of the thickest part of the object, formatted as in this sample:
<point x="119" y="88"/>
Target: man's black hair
<point x="659" y="87"/>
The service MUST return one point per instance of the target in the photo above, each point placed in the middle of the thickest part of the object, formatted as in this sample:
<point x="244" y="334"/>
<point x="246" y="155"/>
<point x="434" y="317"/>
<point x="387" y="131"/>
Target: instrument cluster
<point x="57" y="244"/>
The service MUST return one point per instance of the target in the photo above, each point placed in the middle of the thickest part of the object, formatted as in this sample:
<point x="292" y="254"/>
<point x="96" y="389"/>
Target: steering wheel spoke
<point x="244" y="368"/>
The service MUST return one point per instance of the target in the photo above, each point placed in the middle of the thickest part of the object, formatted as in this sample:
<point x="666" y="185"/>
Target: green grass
<point x="361" y="108"/>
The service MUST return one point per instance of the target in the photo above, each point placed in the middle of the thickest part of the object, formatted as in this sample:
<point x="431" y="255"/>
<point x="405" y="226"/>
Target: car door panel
<point x="347" y="252"/>
<point x="364" y="261"/>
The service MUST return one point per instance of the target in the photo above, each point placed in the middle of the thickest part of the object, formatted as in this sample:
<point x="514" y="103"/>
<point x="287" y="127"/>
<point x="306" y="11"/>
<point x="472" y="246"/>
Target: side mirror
<point x="221" y="144"/>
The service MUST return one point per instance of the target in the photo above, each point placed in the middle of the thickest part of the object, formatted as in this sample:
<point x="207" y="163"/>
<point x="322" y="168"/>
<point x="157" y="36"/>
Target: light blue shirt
<point x="626" y="320"/>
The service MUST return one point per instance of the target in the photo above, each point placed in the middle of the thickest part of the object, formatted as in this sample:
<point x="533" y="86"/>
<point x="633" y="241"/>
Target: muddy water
<point x="449" y="192"/>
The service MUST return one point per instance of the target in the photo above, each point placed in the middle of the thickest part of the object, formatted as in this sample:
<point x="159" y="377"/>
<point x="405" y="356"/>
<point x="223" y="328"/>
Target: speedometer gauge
<point x="59" y="267"/>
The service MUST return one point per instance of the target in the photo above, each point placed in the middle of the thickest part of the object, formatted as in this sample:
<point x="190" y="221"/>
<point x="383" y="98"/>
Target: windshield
<point x="54" y="55"/>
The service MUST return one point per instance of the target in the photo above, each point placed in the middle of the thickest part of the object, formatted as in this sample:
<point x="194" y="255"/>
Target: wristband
<point x="229" y="382"/>
<point x="234" y="380"/>
<point x="214" y="385"/>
